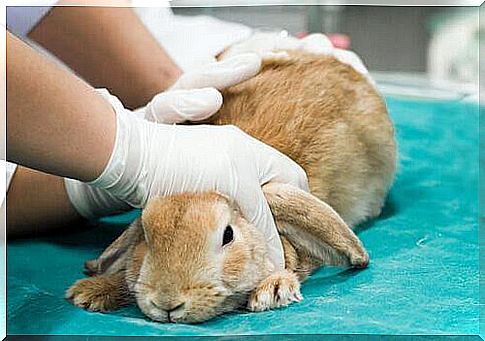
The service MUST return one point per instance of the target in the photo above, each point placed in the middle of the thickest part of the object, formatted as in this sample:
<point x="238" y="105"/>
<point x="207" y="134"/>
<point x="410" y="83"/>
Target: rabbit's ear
<point x="314" y="227"/>
<point x="113" y="258"/>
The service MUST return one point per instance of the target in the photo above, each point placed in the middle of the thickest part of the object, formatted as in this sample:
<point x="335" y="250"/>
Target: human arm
<point x="110" y="48"/>
<point x="37" y="204"/>
<point x="42" y="96"/>
<point x="56" y="123"/>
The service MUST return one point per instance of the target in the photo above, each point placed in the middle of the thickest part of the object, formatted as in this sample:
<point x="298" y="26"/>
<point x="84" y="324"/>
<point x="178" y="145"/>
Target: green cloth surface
<point x="423" y="277"/>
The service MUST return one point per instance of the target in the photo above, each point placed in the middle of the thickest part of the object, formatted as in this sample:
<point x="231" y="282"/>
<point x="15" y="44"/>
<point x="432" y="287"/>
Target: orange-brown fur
<point x="173" y="255"/>
<point x="100" y="293"/>
<point x="327" y="118"/>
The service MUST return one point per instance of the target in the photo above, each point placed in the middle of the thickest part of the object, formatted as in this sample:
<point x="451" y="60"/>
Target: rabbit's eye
<point x="228" y="235"/>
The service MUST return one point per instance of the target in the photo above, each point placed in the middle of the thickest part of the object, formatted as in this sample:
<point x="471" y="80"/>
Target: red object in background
<point x="339" y="40"/>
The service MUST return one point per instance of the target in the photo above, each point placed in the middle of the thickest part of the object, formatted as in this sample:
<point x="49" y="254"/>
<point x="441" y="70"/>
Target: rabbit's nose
<point x="173" y="310"/>
<point x="176" y="312"/>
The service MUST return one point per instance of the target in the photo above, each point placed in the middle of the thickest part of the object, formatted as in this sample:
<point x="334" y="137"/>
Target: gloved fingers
<point x="284" y="170"/>
<point x="286" y="43"/>
<point x="314" y="43"/>
<point x="350" y="58"/>
<point x="320" y="44"/>
<point x="271" y="164"/>
<point x="256" y="210"/>
<point x="223" y="74"/>
<point x="275" y="56"/>
<point x="317" y="43"/>
<point x="183" y="105"/>
<point x="274" y="166"/>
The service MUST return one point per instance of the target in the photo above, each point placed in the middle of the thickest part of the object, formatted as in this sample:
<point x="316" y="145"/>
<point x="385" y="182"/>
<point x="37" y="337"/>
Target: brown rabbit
<point x="193" y="256"/>
<point x="329" y="119"/>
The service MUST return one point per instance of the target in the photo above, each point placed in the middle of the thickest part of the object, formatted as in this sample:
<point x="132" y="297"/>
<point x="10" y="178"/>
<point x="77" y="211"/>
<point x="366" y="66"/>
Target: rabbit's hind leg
<point x="91" y="267"/>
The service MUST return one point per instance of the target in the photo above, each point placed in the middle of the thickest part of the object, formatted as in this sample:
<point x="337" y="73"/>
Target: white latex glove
<point x="319" y="44"/>
<point x="195" y="96"/>
<point x="151" y="159"/>
<point x="269" y="45"/>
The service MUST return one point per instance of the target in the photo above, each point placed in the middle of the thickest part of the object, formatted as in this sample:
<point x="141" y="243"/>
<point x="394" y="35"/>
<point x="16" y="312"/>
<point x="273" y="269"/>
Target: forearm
<point x="109" y="47"/>
<point x="56" y="123"/>
<point x="37" y="203"/>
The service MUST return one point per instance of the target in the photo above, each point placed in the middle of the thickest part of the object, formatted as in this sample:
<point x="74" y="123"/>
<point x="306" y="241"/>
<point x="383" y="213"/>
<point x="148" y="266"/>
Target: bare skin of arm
<point x="110" y="48"/>
<point x="56" y="123"/>
<point x="37" y="203"/>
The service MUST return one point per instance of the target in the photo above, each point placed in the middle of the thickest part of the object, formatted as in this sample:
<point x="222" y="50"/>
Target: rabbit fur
<point x="172" y="263"/>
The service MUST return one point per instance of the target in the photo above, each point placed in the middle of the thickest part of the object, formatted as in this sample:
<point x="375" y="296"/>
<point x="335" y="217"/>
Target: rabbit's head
<point x="201" y="258"/>
<point x="192" y="257"/>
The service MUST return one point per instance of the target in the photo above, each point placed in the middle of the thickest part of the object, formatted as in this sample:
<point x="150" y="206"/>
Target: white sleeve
<point x="22" y="19"/>
<point x="10" y="169"/>
<point x="7" y="169"/>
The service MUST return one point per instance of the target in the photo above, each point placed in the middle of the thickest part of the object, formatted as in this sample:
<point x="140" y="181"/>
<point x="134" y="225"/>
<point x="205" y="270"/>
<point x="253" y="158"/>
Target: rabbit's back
<point x="329" y="119"/>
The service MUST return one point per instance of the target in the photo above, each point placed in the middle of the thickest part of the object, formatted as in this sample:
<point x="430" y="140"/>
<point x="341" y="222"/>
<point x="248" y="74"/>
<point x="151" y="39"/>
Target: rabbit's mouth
<point x="193" y="306"/>
<point x="181" y="314"/>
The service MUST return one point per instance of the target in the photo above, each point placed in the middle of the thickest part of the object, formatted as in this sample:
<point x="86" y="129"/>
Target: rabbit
<point x="325" y="115"/>
<point x="193" y="256"/>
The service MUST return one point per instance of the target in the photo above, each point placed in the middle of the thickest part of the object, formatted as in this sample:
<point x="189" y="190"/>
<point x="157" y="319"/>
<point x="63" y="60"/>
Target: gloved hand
<point x="272" y="45"/>
<point x="195" y="96"/>
<point x="151" y="159"/>
<point x="319" y="44"/>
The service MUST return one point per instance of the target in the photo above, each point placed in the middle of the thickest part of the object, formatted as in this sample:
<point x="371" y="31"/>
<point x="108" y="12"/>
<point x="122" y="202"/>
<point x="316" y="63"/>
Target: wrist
<point x="99" y="197"/>
<point x="126" y="173"/>
<point x="91" y="202"/>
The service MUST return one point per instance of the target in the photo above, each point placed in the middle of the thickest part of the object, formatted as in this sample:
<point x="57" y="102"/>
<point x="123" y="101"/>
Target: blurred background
<point x="433" y="48"/>
<point x="389" y="38"/>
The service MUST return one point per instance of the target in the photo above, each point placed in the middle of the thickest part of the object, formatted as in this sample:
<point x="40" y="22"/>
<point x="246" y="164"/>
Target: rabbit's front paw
<point x="97" y="293"/>
<point x="278" y="290"/>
